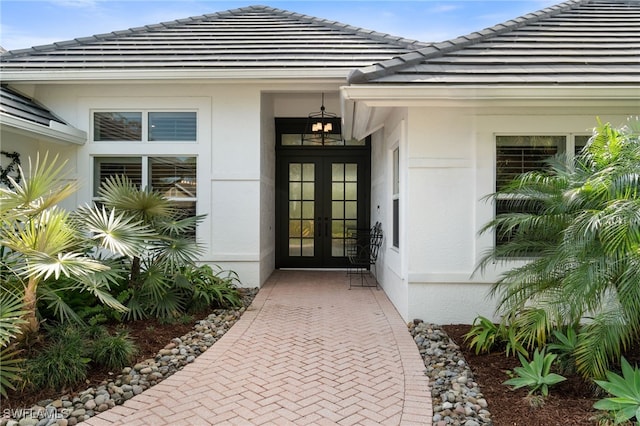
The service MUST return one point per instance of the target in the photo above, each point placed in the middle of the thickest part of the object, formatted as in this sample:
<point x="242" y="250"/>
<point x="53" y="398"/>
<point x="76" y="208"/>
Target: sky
<point x="27" y="23"/>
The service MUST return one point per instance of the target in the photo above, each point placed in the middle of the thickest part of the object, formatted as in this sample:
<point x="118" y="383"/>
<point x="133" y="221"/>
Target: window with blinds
<point x="117" y="126"/>
<point x="580" y="142"/>
<point x="106" y="167"/>
<point x="396" y="198"/>
<point x="520" y="154"/>
<point x="174" y="177"/>
<point x="145" y="126"/>
<point x="172" y="126"/>
<point x="516" y="155"/>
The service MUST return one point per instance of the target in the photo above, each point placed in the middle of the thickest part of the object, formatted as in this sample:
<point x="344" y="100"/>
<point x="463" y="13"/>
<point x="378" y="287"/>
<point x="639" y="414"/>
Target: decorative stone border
<point x="70" y="410"/>
<point x="457" y="399"/>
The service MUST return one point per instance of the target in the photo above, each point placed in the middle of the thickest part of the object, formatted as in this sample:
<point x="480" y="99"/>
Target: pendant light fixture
<point x="323" y="128"/>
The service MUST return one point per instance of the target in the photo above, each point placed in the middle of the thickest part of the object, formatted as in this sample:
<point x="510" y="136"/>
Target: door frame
<point x="284" y="154"/>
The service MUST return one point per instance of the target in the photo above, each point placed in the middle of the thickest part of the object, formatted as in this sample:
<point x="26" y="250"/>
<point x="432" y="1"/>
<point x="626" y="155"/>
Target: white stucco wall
<point x="451" y="157"/>
<point x="391" y="267"/>
<point x="235" y="151"/>
<point x="267" y="188"/>
<point x="30" y="147"/>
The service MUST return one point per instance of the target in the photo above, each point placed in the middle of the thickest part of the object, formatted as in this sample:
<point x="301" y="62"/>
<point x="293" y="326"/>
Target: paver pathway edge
<point x="292" y="381"/>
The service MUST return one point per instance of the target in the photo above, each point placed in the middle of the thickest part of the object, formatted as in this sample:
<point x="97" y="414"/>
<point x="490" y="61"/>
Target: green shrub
<point x="535" y="374"/>
<point x="564" y="345"/>
<point x="61" y="363"/>
<point x="580" y="216"/>
<point x="484" y="335"/>
<point x="625" y="391"/>
<point x="211" y="289"/>
<point x="114" y="351"/>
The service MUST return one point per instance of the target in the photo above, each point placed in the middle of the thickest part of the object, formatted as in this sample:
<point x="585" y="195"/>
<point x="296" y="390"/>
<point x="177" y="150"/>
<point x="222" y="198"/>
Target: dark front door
<point x="322" y="194"/>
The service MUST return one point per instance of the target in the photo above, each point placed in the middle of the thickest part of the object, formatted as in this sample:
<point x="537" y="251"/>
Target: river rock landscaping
<point x="457" y="399"/>
<point x="462" y="384"/>
<point x="71" y="409"/>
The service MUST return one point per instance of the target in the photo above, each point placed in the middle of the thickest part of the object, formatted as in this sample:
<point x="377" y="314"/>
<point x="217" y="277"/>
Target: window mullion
<point x="146" y="178"/>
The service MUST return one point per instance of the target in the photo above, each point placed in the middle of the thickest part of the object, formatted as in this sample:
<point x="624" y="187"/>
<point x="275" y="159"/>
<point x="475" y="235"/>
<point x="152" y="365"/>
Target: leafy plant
<point x="10" y="368"/>
<point x="564" y="345"/>
<point x="211" y="289"/>
<point x="625" y="402"/>
<point x="484" y="335"/>
<point x="114" y="351"/>
<point x="588" y="262"/>
<point x="155" y="287"/>
<point x="61" y="363"/>
<point x="42" y="242"/>
<point x="535" y="374"/>
<point x="512" y="341"/>
<point x="11" y="311"/>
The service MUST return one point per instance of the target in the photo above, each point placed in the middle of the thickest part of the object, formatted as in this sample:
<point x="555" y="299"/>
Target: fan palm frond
<point x="11" y="312"/>
<point x="120" y="234"/>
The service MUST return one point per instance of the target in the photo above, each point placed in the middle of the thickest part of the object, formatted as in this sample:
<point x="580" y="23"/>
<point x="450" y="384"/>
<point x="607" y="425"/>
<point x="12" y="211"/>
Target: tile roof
<point x="258" y="37"/>
<point x="20" y="106"/>
<point x="576" y="42"/>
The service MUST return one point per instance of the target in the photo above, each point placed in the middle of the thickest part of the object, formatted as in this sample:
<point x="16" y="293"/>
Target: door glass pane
<point x="344" y="206"/>
<point x="295" y="209"/>
<point x="337" y="172"/>
<point x="308" y="189"/>
<point x="351" y="191"/>
<point x="301" y="209"/>
<point x="309" y="172"/>
<point x="351" y="173"/>
<point x="295" y="172"/>
<point x="295" y="245"/>
<point x="351" y="210"/>
<point x="337" y="210"/>
<point x="337" y="191"/>
<point x="308" y="209"/>
<point x="337" y="247"/>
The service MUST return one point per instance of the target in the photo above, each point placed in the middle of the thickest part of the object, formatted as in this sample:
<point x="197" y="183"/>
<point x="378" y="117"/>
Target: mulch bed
<point x="570" y="403"/>
<point x="150" y="336"/>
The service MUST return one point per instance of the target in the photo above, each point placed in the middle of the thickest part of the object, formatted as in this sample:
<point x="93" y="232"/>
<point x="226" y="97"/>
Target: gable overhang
<point x="365" y="107"/>
<point x="55" y="132"/>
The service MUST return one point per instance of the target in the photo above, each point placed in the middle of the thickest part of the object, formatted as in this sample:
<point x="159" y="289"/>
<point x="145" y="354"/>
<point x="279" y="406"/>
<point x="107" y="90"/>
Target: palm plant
<point x="154" y="284"/>
<point x="581" y="230"/>
<point x="42" y="242"/>
<point x="11" y="312"/>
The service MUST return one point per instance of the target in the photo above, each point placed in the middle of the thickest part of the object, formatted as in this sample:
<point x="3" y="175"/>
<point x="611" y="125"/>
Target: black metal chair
<point x="362" y="252"/>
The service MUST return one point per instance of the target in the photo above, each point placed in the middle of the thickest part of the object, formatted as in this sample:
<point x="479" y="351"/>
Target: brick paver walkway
<point x="307" y="352"/>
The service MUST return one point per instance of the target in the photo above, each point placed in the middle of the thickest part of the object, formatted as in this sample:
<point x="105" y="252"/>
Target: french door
<point x="322" y="197"/>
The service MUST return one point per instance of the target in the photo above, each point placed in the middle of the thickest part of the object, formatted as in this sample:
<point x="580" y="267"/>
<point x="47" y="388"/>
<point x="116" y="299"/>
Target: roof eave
<point x="416" y="95"/>
<point x="154" y="75"/>
<point x="55" y="132"/>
